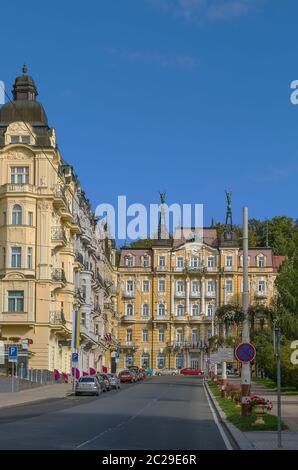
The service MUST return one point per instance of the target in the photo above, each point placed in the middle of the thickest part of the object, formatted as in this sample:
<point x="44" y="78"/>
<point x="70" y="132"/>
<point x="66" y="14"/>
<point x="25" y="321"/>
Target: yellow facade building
<point x="168" y="295"/>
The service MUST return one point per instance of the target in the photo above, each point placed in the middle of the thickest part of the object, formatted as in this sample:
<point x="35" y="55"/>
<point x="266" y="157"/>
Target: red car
<point x="126" y="376"/>
<point x="189" y="371"/>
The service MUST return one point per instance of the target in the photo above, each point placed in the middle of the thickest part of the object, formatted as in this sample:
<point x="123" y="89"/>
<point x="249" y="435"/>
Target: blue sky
<point x="187" y="96"/>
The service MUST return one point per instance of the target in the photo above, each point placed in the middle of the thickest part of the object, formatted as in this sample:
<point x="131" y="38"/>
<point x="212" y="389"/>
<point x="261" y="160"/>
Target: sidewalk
<point x="35" y="394"/>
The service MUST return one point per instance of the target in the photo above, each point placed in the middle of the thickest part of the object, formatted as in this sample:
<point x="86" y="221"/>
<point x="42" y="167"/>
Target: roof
<point x="277" y="262"/>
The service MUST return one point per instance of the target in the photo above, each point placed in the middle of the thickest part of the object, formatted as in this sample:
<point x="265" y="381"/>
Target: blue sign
<point x="13" y="354"/>
<point x="245" y="352"/>
<point x="75" y="357"/>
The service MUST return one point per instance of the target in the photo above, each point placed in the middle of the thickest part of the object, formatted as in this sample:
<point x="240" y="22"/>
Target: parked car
<point x="126" y="376"/>
<point x="189" y="371"/>
<point x="89" y="385"/>
<point x="114" y="381"/>
<point x="106" y="381"/>
<point x="167" y="371"/>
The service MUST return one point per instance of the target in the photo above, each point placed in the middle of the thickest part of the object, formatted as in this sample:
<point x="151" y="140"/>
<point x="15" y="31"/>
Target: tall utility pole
<point x="277" y="355"/>
<point x="245" y="371"/>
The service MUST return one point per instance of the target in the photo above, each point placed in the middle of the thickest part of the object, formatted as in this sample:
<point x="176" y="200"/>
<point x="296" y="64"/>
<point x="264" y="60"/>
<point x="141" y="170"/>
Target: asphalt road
<point x="159" y="413"/>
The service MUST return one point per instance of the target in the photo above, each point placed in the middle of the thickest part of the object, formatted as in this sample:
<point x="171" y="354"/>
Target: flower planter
<point x="260" y="411"/>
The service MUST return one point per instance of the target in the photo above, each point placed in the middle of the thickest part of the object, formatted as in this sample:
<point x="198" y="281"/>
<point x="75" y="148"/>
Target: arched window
<point x="128" y="360"/>
<point x="129" y="310"/>
<point x="161" y="361"/>
<point x="161" y="310"/>
<point x="145" y="310"/>
<point x="129" y="335"/>
<point x="195" y="310"/>
<point x="16" y="215"/>
<point x="180" y="310"/>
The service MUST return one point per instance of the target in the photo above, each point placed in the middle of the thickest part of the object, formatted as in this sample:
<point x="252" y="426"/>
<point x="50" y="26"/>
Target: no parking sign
<point x="245" y="352"/>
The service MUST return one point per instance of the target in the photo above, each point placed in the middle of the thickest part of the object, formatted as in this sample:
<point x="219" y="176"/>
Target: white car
<point x="167" y="371"/>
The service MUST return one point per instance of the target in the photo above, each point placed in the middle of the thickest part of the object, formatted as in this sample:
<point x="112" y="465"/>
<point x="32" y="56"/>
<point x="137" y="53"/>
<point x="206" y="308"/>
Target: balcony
<point x="194" y="295"/>
<point x="128" y="318"/>
<point x="180" y="294"/>
<point x="261" y="295"/>
<point x="211" y="294"/>
<point x="228" y="268"/>
<point x="66" y="214"/>
<point x="129" y="345"/>
<point x="128" y="294"/>
<point x="58" y="275"/>
<point x="161" y="269"/>
<point x="17" y="188"/>
<point x="57" y="317"/>
<point x="80" y="294"/>
<point x="195" y="269"/>
<point x="58" y="235"/>
<point x="211" y="269"/>
<point x="190" y="345"/>
<point x="178" y="269"/>
<point x="79" y="258"/>
<point x="59" y="197"/>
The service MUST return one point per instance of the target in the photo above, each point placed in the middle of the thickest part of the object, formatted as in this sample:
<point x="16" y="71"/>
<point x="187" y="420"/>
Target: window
<point x="161" y="310"/>
<point x="195" y="286"/>
<point x="194" y="335"/>
<point x="195" y="310"/>
<point x="145" y="336"/>
<point x="15" y="301"/>
<point x="14" y="139"/>
<point x="129" y="310"/>
<point x="229" y="286"/>
<point x="180" y="286"/>
<point x="209" y="333"/>
<point x="25" y="139"/>
<point x="30" y="218"/>
<point x="261" y="287"/>
<point x="161" y="285"/>
<point x="179" y="361"/>
<point x="209" y="310"/>
<point x="4" y="218"/>
<point x="129" y="261"/>
<point x="210" y="286"/>
<point x="161" y="335"/>
<point x="128" y="361"/>
<point x="29" y="258"/>
<point x="229" y="261"/>
<point x="195" y="262"/>
<point x="129" y="285"/>
<point x="210" y="261"/>
<point x="145" y="310"/>
<point x="19" y="175"/>
<point x="261" y="262"/>
<point x="161" y="261"/>
<point x="16" y="257"/>
<point x="16" y="215"/>
<point x="83" y="318"/>
<point x="179" y="335"/>
<point x="161" y="361"/>
<point x="180" y="262"/>
<point x="146" y="286"/>
<point x="96" y="329"/>
<point x="145" y="261"/>
<point x="145" y="360"/>
<point x="180" y="311"/>
<point x="129" y="335"/>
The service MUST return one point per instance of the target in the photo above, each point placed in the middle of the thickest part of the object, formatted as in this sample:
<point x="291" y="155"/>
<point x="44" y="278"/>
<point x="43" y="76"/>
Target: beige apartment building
<point x="168" y="295"/>
<point x="51" y="259"/>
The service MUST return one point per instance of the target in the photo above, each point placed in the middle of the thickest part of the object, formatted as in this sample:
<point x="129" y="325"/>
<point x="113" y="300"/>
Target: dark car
<point x="106" y="382"/>
<point x="114" y="381"/>
<point x="126" y="376"/>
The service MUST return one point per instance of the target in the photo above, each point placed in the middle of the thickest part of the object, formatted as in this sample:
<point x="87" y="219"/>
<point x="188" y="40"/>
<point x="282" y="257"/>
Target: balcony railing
<point x="129" y="345"/>
<point x="19" y="188"/>
<point x="180" y="294"/>
<point x="79" y="257"/>
<point x="176" y="345"/>
<point x="195" y="269"/>
<point x="195" y="295"/>
<point x="261" y="295"/>
<point x="58" y="234"/>
<point x="161" y="268"/>
<point x="58" y="274"/>
<point x="129" y="294"/>
<point x="57" y="317"/>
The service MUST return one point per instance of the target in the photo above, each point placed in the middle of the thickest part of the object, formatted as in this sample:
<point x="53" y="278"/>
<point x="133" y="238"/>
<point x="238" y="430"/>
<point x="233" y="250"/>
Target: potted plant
<point x="260" y="406"/>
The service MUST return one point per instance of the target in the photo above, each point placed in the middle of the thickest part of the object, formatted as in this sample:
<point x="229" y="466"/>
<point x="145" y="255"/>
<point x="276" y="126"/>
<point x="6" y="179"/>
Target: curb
<point x="238" y="436"/>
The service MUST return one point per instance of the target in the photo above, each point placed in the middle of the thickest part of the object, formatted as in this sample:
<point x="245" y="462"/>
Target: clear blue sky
<point x="190" y="96"/>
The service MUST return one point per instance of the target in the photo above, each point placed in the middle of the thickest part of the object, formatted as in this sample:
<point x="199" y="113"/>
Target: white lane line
<point x="219" y="425"/>
<point x="123" y="423"/>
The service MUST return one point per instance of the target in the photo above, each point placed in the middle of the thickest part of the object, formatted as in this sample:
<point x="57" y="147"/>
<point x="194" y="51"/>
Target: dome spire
<point x="24" y="87"/>
<point x="24" y="69"/>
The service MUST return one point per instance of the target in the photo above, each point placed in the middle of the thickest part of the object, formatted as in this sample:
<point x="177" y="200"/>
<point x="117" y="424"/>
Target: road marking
<point x="123" y="423"/>
<point x="219" y="425"/>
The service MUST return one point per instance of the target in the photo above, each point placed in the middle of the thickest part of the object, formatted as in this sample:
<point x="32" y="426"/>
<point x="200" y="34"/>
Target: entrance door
<point x="194" y="363"/>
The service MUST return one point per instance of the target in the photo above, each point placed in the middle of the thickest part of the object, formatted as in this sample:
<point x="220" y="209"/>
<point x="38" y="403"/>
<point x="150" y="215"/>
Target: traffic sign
<point x="225" y="354"/>
<point x="13" y="354"/>
<point x="245" y="352"/>
<point x="75" y="357"/>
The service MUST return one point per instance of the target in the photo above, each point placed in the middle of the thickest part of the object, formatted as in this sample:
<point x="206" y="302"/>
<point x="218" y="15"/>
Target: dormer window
<point x="16" y="139"/>
<point x="145" y="261"/>
<point x="261" y="261"/>
<point x="129" y="261"/>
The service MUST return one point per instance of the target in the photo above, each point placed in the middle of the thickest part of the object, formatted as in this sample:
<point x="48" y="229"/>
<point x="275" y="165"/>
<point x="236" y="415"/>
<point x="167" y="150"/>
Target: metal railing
<point x="58" y="274"/>
<point x="56" y="317"/>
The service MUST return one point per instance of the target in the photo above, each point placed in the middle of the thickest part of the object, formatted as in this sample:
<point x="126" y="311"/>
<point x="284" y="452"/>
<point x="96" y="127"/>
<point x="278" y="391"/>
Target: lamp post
<point x="278" y="373"/>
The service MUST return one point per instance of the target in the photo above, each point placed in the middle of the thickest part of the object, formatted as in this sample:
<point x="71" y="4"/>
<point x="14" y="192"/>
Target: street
<point x="159" y="413"/>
